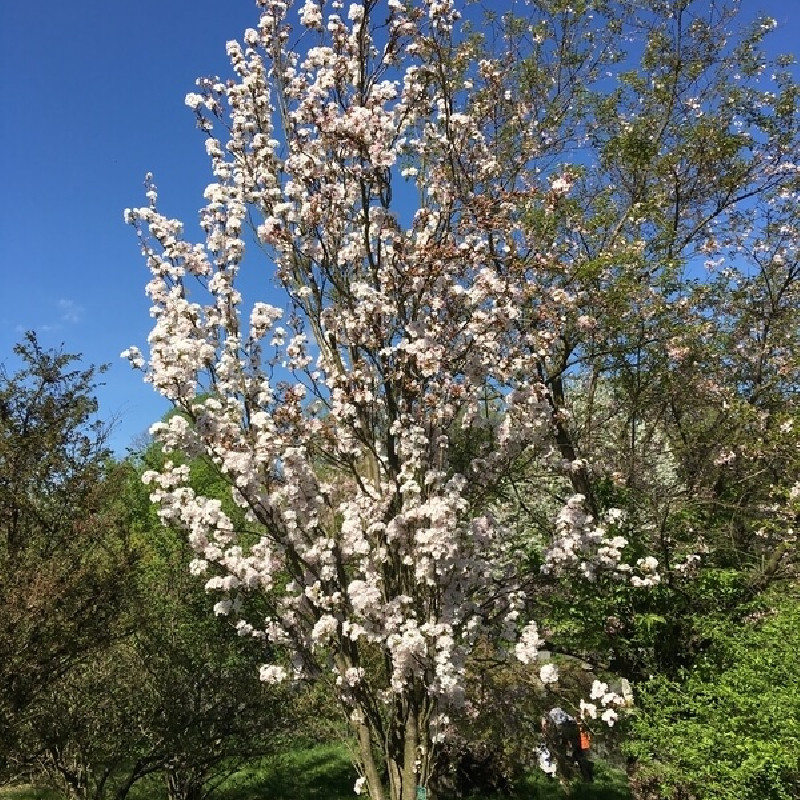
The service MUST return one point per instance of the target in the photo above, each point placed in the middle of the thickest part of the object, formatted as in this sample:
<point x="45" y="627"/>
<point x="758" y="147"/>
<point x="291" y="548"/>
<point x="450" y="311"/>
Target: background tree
<point x="63" y="549"/>
<point x="175" y="697"/>
<point x="113" y="666"/>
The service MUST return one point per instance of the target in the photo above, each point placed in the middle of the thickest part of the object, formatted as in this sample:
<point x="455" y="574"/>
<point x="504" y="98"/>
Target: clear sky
<point x="92" y="100"/>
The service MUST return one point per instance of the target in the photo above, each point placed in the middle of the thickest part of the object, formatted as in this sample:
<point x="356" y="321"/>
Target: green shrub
<point x="729" y="727"/>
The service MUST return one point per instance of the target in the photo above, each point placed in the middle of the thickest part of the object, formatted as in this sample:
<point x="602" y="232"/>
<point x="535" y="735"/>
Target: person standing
<point x="580" y="750"/>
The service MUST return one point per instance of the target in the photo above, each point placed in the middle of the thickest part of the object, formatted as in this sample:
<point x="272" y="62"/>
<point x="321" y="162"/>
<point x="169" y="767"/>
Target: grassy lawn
<point x="322" y="773"/>
<point x="27" y="792"/>
<point x="325" y="773"/>
<point x="608" y="785"/>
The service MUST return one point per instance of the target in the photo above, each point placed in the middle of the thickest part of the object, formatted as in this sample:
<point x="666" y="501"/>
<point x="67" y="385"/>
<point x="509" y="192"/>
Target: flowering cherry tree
<point x="419" y="215"/>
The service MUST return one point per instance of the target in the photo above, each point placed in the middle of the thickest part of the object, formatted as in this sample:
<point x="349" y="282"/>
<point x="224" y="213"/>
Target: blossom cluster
<point x="607" y="699"/>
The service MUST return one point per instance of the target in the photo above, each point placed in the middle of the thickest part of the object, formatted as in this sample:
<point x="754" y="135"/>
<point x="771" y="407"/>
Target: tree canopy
<point x="62" y="547"/>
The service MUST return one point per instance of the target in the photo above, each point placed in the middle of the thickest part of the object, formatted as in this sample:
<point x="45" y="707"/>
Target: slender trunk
<point x="410" y="761"/>
<point x="368" y="764"/>
<point x="406" y="749"/>
<point x="408" y="791"/>
<point x="184" y="785"/>
<point x="122" y="791"/>
<point x="579" y="476"/>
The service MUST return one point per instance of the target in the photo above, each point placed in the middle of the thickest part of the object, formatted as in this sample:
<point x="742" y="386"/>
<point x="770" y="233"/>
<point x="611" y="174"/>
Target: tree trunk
<point x="407" y="756"/>
<point x="406" y="750"/>
<point x="368" y="765"/>
<point x="184" y="784"/>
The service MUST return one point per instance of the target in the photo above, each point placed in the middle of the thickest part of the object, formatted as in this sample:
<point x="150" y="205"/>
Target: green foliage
<point x="65" y="555"/>
<point x="729" y="727"/>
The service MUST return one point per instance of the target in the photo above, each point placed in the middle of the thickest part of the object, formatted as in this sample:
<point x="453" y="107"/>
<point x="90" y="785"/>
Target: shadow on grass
<point x="609" y="784"/>
<point x="28" y="792"/>
<point x="323" y="773"/>
<point x="326" y="773"/>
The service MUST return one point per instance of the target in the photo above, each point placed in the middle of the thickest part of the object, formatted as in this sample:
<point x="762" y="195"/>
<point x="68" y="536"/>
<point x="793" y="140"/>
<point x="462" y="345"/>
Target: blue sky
<point x="93" y="99"/>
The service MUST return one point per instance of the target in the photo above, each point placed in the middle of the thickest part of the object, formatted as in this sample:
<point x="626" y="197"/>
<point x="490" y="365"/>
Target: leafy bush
<point x="729" y="728"/>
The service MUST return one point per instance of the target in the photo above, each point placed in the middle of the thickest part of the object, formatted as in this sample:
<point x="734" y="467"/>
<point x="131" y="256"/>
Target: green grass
<point x="326" y="773"/>
<point x="27" y="792"/>
<point x="322" y="773"/>
<point x="609" y="784"/>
